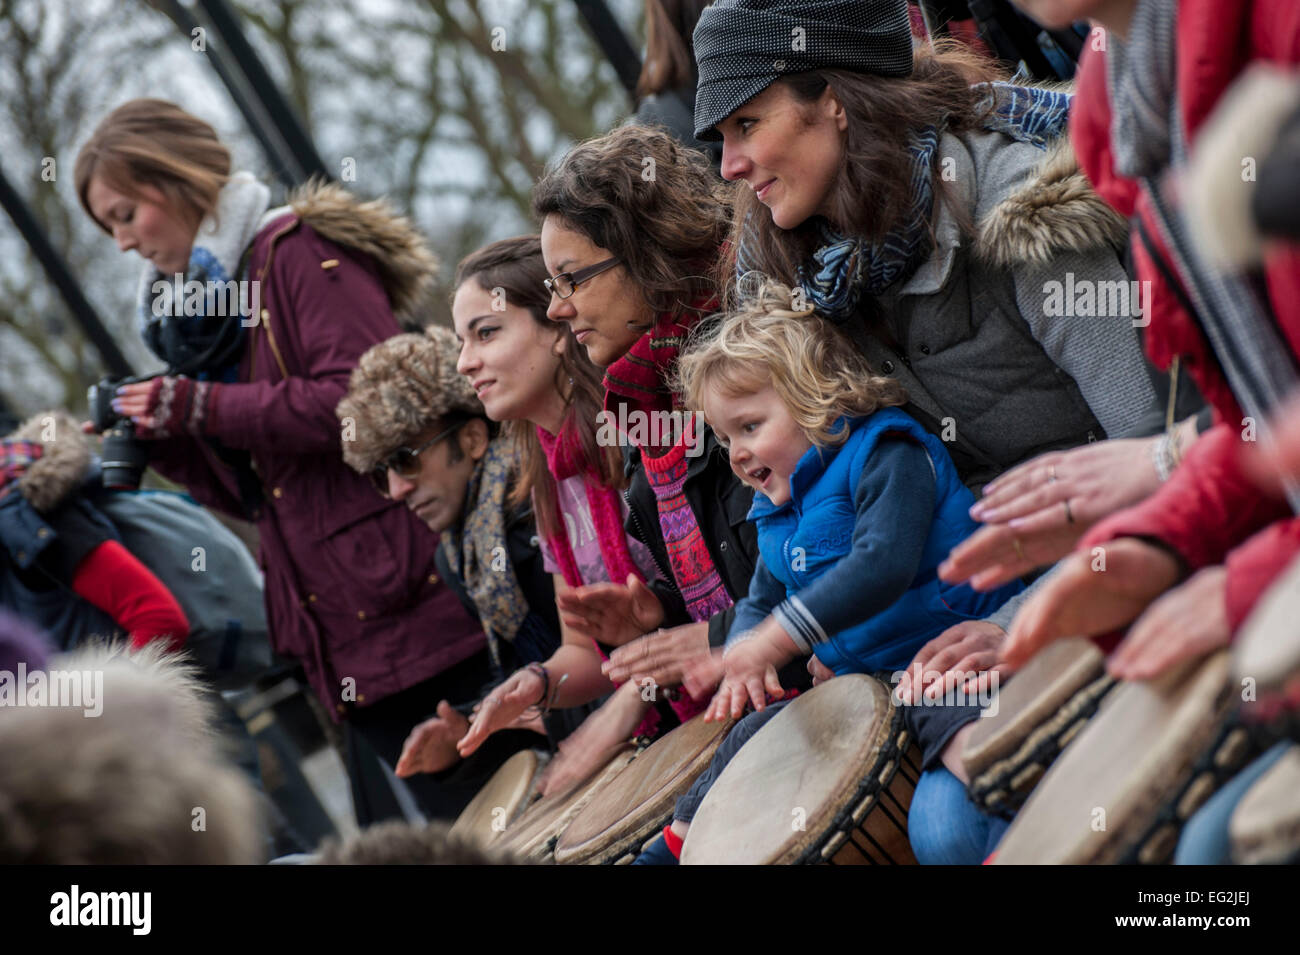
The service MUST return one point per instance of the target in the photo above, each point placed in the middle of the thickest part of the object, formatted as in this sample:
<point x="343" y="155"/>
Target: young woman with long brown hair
<point x="533" y="376"/>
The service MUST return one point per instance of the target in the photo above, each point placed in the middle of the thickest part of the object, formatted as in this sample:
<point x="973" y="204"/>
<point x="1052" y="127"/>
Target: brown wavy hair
<point x="666" y="229"/>
<point x="515" y="266"/>
<point x="669" y="46"/>
<point x="872" y="192"/>
<point x="156" y="143"/>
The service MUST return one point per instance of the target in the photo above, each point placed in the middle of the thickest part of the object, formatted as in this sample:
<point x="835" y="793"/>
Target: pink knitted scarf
<point x="563" y="460"/>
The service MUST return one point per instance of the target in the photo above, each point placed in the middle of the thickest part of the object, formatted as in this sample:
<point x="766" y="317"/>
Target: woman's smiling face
<point x="788" y="152"/>
<point x="509" y="359"/>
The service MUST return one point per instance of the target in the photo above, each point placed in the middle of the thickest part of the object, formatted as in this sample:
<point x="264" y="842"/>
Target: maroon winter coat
<point x="351" y="586"/>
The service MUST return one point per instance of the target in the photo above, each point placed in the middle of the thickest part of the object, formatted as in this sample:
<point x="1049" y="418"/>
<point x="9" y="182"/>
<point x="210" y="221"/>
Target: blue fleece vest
<point x="803" y="538"/>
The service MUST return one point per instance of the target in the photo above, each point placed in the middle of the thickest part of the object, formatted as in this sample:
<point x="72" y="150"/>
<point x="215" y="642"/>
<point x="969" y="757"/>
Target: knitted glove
<point x="179" y="405"/>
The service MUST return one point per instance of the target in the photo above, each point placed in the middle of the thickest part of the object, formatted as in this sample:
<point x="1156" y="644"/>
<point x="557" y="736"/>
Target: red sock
<point x="673" y="842"/>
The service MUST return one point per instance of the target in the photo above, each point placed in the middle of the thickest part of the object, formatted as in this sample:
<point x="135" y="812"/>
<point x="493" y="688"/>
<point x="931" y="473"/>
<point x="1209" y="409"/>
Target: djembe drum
<point x="533" y="835"/>
<point x="1039" y="711"/>
<point x="638" y="803"/>
<point x="829" y="779"/>
<point x="502" y="797"/>
<point x="1267" y="654"/>
<point x="1148" y="760"/>
<point x="1265" y="826"/>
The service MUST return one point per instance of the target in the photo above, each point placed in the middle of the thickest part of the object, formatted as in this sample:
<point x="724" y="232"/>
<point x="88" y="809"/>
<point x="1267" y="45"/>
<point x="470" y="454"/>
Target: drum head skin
<point x="533" y="834"/>
<point x="1030" y="699"/>
<point x="1107" y="792"/>
<point x="1265" y="826"/>
<point x="499" y="801"/>
<point x="775" y="801"/>
<point x="1268" y="650"/>
<point x="639" y="801"/>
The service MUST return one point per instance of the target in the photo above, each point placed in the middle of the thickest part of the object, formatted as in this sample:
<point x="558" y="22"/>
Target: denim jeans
<point x="1205" y="837"/>
<point x="945" y="827"/>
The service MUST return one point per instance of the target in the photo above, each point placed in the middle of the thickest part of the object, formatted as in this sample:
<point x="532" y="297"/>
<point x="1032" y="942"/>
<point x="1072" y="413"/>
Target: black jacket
<point x="539" y="636"/>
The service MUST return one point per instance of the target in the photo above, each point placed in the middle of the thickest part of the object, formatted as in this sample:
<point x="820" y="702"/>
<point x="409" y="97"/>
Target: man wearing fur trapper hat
<point x="414" y="425"/>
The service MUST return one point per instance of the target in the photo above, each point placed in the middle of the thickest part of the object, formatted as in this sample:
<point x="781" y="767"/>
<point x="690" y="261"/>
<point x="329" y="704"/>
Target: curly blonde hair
<point x="773" y="338"/>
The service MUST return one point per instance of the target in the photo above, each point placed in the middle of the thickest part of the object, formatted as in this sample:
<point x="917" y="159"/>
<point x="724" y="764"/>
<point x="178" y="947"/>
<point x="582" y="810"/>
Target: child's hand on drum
<point x="431" y="746"/>
<point x="614" y="614"/>
<point x="749" y="672"/>
<point x="501" y="707"/>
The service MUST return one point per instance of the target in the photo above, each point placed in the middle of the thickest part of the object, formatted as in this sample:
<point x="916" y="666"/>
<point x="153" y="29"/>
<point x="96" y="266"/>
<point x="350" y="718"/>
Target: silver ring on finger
<point x="1051" y="473"/>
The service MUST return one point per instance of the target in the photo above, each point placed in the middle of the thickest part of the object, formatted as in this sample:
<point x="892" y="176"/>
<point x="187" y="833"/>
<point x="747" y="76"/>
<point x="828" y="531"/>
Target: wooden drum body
<point x="1040" y="710"/>
<point x="638" y="803"/>
<point x="829" y="779"/>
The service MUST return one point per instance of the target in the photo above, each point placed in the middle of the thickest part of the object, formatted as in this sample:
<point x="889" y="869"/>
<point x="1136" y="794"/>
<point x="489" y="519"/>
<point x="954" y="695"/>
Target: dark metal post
<point x="58" y="272"/>
<point x="612" y="40"/>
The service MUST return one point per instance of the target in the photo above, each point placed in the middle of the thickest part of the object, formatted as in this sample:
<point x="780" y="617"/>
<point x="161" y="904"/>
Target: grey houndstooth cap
<point x="741" y="46"/>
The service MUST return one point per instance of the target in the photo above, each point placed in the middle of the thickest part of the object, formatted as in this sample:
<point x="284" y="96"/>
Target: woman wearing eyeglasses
<point x="533" y="376"/>
<point x="244" y="418"/>
<point x="632" y="227"/>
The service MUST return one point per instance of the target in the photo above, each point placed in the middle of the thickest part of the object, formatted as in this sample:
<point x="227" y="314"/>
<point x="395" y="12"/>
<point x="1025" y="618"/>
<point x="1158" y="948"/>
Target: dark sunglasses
<point x="405" y="461"/>
<point x="566" y="283"/>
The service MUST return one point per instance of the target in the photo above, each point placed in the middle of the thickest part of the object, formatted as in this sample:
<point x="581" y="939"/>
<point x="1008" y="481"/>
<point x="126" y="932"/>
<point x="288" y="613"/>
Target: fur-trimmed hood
<point x="65" y="460"/>
<point x="1055" y="212"/>
<point x="407" y="266"/>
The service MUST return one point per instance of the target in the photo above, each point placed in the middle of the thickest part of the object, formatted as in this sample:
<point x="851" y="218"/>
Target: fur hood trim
<point x="406" y="264"/>
<point x="64" y="463"/>
<point x="1056" y="212"/>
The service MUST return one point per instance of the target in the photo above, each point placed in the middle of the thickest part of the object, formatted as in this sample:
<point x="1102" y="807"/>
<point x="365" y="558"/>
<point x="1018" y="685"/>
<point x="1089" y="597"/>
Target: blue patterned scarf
<point x="845" y="267"/>
<point x="177" y="330"/>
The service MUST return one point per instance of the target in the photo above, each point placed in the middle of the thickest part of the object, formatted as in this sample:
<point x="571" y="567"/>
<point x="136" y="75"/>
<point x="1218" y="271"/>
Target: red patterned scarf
<point x="640" y="378"/>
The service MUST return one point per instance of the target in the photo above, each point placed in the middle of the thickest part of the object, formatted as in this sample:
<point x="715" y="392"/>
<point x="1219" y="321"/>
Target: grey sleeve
<point x="1007" y="612"/>
<point x="1101" y="353"/>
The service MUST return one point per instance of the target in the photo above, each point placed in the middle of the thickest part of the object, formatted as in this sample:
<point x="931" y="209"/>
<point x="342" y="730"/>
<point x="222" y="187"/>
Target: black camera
<point x="124" y="455"/>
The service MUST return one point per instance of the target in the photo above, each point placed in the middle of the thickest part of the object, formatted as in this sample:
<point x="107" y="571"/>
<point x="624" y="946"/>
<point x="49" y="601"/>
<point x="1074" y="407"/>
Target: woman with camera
<point x="244" y="416"/>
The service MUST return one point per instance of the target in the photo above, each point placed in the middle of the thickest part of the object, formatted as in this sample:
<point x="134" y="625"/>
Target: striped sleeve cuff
<point x="800" y="624"/>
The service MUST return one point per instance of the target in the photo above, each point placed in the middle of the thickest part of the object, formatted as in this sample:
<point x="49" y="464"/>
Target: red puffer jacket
<point x="1209" y="512"/>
